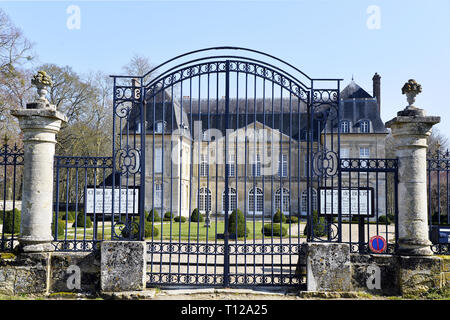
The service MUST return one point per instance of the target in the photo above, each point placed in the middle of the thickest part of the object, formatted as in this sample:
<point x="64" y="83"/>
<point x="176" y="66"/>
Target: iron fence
<point x="438" y="192"/>
<point x="11" y="170"/>
<point x="370" y="209"/>
<point x="84" y="211"/>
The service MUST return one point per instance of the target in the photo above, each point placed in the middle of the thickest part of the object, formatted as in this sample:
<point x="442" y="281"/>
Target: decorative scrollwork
<point x="11" y="155"/>
<point x="221" y="66"/>
<point x="129" y="160"/>
<point x="324" y="231"/>
<point x="84" y="162"/>
<point x="325" y="163"/>
<point x="126" y="231"/>
<point x="325" y="96"/>
<point x="123" y="109"/>
<point x="76" y="245"/>
<point x="441" y="248"/>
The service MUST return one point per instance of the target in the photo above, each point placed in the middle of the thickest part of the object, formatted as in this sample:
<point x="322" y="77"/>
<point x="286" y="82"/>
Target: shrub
<point x="273" y="229"/>
<point x="12" y="220"/>
<point x="318" y="225"/>
<point x="179" y="219"/>
<point x="391" y="217"/>
<point x="153" y="215"/>
<point x="80" y="221"/>
<point x="278" y="216"/>
<point x="236" y="224"/>
<point x="61" y="228"/>
<point x="70" y="215"/>
<point x="196" y="216"/>
<point x="292" y="219"/>
<point x="149" y="230"/>
<point x="168" y="216"/>
<point x="386" y="219"/>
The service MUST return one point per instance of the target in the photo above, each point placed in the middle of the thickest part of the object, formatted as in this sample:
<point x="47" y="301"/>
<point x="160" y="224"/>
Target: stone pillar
<point x="410" y="130"/>
<point x="39" y="122"/>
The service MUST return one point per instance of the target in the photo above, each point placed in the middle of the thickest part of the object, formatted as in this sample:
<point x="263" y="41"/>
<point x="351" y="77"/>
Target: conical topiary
<point x="196" y="216"/>
<point x="278" y="216"/>
<point x="153" y="215"/>
<point x="236" y="224"/>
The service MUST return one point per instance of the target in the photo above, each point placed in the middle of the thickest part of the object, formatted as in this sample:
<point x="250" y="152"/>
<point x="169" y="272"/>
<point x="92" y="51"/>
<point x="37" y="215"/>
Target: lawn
<point x="197" y="230"/>
<point x="180" y="231"/>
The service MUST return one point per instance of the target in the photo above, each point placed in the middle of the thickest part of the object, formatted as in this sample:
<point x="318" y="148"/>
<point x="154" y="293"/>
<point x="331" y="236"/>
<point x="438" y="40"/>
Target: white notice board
<point x="126" y="200"/>
<point x="353" y="201"/>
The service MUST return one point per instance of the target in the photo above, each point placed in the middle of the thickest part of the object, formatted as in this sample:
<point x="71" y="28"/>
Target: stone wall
<point x="331" y="267"/>
<point x="445" y="271"/>
<point x="41" y="273"/>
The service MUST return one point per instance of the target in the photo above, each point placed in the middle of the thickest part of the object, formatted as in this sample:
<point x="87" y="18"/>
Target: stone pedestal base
<point x="123" y="266"/>
<point x="328" y="267"/>
<point x="416" y="248"/>
<point x="419" y="274"/>
<point x="36" y="247"/>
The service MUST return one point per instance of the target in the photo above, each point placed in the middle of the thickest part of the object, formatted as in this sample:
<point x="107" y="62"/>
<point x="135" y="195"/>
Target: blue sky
<point x="322" y="38"/>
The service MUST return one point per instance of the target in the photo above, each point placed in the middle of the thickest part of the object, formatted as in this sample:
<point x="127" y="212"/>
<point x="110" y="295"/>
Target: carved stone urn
<point x="41" y="81"/>
<point x="411" y="89"/>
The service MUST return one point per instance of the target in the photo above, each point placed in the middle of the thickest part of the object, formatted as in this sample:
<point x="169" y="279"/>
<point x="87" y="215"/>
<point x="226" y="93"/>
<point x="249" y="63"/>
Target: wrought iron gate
<point x="236" y="146"/>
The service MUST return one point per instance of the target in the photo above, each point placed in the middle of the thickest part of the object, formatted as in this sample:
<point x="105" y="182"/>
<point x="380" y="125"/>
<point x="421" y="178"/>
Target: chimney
<point x="377" y="90"/>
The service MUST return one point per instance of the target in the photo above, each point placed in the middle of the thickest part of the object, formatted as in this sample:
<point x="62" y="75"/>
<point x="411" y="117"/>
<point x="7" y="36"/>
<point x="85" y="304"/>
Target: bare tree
<point x="15" y="88"/>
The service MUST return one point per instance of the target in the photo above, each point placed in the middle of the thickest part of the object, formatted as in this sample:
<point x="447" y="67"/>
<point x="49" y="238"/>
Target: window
<point x="256" y="166"/>
<point x="232" y="200"/>
<point x="283" y="166"/>
<point x="345" y="126"/>
<point x="158" y="195"/>
<point x="255" y="201"/>
<point x="204" y="200"/>
<point x="305" y="201"/>
<point x="160" y="126"/>
<point x="204" y="167"/>
<point x="364" y="126"/>
<point x="364" y="153"/>
<point x="345" y="153"/>
<point x="231" y="166"/>
<point x="282" y="200"/>
<point x="158" y="160"/>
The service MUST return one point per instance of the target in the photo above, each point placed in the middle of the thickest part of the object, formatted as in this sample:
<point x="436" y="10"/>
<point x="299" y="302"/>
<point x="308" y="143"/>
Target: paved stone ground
<point x="237" y="294"/>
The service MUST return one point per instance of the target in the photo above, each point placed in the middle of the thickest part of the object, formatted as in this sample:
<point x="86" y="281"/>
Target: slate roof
<point x="354" y="91"/>
<point x="356" y="105"/>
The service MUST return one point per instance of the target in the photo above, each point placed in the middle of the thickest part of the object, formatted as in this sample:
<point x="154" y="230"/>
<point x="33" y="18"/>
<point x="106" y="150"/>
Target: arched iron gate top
<point x="188" y="70"/>
<point x="307" y="83"/>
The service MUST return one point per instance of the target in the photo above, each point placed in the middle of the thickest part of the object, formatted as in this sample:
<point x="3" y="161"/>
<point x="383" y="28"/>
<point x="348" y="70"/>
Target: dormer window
<point x="345" y="126"/>
<point x="364" y="126"/>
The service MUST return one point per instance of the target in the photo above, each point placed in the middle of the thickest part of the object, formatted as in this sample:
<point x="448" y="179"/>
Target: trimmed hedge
<point x="179" y="219"/>
<point x="196" y="216"/>
<point x="148" y="231"/>
<point x="390" y="218"/>
<point x="153" y="216"/>
<point x="12" y="220"/>
<point x="273" y="229"/>
<point x="80" y="221"/>
<point x="292" y="219"/>
<point x="61" y="228"/>
<point x="278" y="216"/>
<point x="168" y="216"/>
<point x="236" y="224"/>
<point x="318" y="225"/>
<point x="70" y="215"/>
